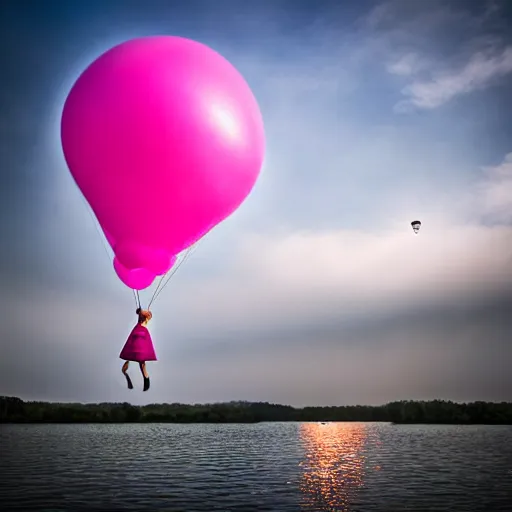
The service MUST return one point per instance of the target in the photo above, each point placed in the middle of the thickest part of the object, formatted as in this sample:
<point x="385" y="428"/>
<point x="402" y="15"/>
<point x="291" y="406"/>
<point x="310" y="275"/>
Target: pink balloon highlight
<point x="165" y="139"/>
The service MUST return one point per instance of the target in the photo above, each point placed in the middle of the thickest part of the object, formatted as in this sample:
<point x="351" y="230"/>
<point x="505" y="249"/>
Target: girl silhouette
<point x="139" y="348"/>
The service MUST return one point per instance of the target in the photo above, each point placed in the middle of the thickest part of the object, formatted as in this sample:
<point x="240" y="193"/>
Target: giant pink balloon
<point x="165" y="140"/>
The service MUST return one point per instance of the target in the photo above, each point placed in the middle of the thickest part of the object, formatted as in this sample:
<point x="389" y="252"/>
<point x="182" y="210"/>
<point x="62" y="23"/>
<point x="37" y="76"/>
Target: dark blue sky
<point x="375" y="113"/>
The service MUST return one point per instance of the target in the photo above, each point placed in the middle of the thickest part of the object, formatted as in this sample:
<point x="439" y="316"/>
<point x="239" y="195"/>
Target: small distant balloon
<point x="416" y="224"/>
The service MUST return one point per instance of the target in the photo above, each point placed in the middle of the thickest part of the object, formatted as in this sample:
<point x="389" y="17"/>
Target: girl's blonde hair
<point x="143" y="315"/>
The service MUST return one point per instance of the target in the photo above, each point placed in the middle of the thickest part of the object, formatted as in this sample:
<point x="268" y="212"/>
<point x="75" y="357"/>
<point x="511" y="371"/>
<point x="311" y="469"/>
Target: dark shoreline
<point x="439" y="412"/>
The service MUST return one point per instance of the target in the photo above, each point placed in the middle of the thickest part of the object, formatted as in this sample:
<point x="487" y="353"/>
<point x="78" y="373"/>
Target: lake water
<point x="263" y="467"/>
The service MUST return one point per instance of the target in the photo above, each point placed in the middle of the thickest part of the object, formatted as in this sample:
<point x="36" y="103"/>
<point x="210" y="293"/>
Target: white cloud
<point x="442" y="50"/>
<point x="306" y="278"/>
<point x="481" y="71"/>
<point x="406" y="65"/>
<point x="494" y="194"/>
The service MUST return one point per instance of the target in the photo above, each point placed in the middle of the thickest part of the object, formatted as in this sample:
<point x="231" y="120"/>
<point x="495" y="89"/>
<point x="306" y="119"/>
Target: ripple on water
<point x="278" y="467"/>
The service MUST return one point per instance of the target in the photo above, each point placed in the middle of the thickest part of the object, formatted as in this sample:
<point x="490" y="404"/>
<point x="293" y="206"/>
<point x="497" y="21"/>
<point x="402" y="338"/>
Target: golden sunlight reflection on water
<point x="333" y="465"/>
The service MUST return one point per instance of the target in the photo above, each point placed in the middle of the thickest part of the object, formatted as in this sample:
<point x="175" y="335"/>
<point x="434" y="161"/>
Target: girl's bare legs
<point x="145" y="375"/>
<point x="143" y="369"/>
<point x="124" y="369"/>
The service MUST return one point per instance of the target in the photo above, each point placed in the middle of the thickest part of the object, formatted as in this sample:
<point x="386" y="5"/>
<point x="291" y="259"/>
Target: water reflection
<point x="333" y="467"/>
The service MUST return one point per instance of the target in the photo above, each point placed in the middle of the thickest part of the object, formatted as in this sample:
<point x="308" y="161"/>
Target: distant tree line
<point x="15" y="410"/>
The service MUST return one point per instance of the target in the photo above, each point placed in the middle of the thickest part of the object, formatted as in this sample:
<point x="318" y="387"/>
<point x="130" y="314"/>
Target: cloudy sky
<point x="316" y="291"/>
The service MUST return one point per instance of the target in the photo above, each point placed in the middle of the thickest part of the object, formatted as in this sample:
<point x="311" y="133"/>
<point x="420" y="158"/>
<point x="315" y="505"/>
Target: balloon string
<point x="96" y="223"/>
<point x="171" y="272"/>
<point x="168" y="274"/>
<point x="105" y="245"/>
<point x="136" y="297"/>
<point x="157" y="288"/>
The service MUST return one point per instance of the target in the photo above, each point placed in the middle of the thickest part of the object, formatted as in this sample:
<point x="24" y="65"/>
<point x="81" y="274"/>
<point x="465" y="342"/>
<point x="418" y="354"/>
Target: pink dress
<point x="138" y="346"/>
